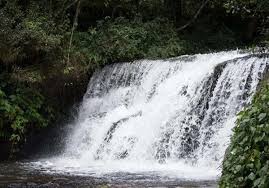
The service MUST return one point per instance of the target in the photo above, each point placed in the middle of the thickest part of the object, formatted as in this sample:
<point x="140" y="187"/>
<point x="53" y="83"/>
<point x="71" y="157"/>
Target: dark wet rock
<point x="110" y="133"/>
<point x="5" y="150"/>
<point x="187" y="58"/>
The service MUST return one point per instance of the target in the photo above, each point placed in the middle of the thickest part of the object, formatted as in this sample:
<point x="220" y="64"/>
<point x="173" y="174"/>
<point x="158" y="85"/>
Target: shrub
<point x="124" y="40"/>
<point x="28" y="33"/>
<point x="246" y="163"/>
<point x="21" y="110"/>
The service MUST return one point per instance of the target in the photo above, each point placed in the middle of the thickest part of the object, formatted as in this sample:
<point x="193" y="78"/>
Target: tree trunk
<point x="75" y="23"/>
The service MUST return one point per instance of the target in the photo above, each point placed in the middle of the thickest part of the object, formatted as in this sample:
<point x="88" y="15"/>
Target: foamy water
<point x="172" y="118"/>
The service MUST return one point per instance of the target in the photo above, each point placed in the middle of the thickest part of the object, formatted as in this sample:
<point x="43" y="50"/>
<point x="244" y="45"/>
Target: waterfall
<point x="173" y="115"/>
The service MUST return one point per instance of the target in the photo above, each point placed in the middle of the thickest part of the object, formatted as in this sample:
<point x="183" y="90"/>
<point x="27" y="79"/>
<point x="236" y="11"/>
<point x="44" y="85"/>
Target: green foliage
<point x="36" y="31"/>
<point x="21" y="110"/>
<point x="247" y="8"/>
<point x="28" y="32"/>
<point x="246" y="162"/>
<point x="148" y="9"/>
<point x="124" y="40"/>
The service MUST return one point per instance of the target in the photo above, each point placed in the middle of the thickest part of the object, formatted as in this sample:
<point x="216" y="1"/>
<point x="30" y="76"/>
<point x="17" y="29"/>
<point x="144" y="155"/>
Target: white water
<point x="171" y="117"/>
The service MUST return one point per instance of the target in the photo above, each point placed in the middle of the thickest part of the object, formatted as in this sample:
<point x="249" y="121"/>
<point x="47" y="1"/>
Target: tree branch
<point x="194" y="17"/>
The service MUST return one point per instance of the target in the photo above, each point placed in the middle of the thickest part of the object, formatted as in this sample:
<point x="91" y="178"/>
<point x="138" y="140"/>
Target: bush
<point x="246" y="163"/>
<point x="124" y="40"/>
<point x="28" y="33"/>
<point x="21" y="110"/>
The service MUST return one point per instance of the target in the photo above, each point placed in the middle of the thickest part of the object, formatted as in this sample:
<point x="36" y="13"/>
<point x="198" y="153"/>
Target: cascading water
<point x="170" y="116"/>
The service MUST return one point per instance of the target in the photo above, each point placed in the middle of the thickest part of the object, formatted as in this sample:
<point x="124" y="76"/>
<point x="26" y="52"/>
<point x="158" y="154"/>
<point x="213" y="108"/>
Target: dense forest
<point x="50" y="48"/>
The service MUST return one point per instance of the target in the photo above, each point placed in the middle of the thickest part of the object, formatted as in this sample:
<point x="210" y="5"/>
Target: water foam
<point x="171" y="117"/>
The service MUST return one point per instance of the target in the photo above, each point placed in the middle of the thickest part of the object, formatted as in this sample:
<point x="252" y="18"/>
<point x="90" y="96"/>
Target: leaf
<point x="257" y="182"/>
<point x="237" y="168"/>
<point x="233" y="151"/>
<point x="253" y="129"/>
<point x="251" y="165"/>
<point x="251" y="176"/>
<point x="261" y="116"/>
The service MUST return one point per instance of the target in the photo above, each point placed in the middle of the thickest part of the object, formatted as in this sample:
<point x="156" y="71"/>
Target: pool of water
<point x="30" y="174"/>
